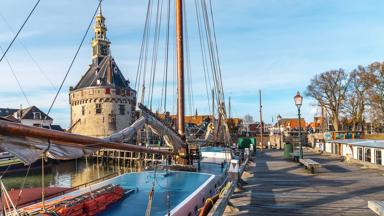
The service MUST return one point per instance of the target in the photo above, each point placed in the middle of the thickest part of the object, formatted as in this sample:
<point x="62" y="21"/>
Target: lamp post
<point x="299" y="101"/>
<point x="278" y="123"/>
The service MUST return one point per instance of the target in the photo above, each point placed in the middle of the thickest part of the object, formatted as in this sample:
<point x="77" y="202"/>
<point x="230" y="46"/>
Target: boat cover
<point x="30" y="149"/>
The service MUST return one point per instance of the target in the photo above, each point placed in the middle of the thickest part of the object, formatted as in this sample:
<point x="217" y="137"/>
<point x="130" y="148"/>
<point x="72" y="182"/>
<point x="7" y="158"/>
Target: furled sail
<point x="128" y="132"/>
<point x="29" y="143"/>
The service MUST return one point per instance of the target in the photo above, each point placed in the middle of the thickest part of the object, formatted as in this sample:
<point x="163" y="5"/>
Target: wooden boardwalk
<point x="276" y="186"/>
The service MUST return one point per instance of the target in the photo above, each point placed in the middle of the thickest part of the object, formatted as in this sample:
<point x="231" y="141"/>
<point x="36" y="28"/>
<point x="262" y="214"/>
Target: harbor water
<point x="63" y="174"/>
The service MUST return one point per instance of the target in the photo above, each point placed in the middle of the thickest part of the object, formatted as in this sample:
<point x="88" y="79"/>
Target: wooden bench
<point x="377" y="207"/>
<point x="310" y="164"/>
<point x="295" y="156"/>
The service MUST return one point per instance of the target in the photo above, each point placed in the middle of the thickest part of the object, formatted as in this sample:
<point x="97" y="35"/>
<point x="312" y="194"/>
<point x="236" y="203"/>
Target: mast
<point x="213" y="107"/>
<point x="180" y="68"/>
<point x="261" y="121"/>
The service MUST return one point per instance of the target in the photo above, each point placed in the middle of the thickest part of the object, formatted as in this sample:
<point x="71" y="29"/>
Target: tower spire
<point x="99" y="12"/>
<point x="100" y="42"/>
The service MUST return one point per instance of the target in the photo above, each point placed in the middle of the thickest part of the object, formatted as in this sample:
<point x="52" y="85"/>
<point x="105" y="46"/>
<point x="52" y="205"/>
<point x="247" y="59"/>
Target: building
<point x="365" y="151"/>
<point x="190" y="120"/>
<point x="291" y="123"/>
<point x="31" y="116"/>
<point x="102" y="102"/>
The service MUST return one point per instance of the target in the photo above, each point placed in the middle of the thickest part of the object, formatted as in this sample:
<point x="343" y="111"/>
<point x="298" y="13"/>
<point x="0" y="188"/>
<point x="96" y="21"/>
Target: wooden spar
<point x="180" y="68"/>
<point x="16" y="129"/>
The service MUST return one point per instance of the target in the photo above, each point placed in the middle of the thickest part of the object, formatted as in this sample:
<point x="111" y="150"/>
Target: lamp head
<point x="298" y="100"/>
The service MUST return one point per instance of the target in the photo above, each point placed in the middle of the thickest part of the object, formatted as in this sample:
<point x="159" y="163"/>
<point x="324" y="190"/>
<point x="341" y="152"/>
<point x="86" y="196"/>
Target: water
<point x="63" y="174"/>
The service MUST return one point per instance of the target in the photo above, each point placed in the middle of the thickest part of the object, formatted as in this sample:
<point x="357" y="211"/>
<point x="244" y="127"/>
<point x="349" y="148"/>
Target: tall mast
<point x="180" y="68"/>
<point x="261" y="121"/>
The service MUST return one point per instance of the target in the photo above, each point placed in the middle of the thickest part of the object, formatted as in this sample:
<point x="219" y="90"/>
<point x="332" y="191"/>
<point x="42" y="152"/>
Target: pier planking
<point x="276" y="186"/>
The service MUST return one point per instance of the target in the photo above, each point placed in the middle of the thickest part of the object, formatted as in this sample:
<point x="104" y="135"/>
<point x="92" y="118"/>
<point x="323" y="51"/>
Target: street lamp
<point x="278" y="122"/>
<point x="299" y="101"/>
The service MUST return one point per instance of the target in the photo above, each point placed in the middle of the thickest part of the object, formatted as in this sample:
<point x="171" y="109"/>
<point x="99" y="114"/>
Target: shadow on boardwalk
<point x="276" y="186"/>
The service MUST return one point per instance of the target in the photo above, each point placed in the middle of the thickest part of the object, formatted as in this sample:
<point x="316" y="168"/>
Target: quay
<point x="274" y="185"/>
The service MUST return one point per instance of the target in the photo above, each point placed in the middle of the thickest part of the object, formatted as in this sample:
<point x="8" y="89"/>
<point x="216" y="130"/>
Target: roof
<point x="28" y="113"/>
<point x="7" y="111"/>
<point x="197" y="120"/>
<point x="361" y="142"/>
<point x="291" y="122"/>
<point x="11" y="118"/>
<point x="107" y="73"/>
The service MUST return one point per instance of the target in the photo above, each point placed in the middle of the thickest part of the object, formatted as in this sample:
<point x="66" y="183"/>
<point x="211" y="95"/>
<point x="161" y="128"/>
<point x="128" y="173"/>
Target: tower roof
<point x="107" y="73"/>
<point x="103" y="71"/>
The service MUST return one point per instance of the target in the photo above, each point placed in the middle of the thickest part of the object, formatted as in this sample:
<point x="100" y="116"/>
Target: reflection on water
<point x="63" y="174"/>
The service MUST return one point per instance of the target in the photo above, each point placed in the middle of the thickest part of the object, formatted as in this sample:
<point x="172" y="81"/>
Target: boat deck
<point x="178" y="185"/>
<point x="277" y="186"/>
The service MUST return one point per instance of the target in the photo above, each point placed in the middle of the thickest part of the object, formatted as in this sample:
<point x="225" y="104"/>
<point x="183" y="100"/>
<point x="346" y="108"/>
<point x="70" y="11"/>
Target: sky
<point x="273" y="45"/>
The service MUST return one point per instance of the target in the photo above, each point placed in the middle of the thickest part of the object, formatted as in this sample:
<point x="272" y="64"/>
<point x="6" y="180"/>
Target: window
<point x="83" y="110"/>
<point x="98" y="108"/>
<point x="378" y="156"/>
<point x="368" y="155"/>
<point x="37" y="125"/>
<point x="36" y="115"/>
<point x="121" y="109"/>
<point x="360" y="154"/>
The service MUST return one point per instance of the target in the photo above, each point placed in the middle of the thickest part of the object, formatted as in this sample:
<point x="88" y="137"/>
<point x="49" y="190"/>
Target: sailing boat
<point x="157" y="192"/>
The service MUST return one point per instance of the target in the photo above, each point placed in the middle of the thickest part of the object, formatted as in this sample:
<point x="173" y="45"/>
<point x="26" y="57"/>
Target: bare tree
<point x="329" y="90"/>
<point x="356" y="97"/>
<point x="376" y="92"/>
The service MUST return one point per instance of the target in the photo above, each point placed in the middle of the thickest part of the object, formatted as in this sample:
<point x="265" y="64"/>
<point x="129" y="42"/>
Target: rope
<point x="166" y="59"/>
<point x="203" y="54"/>
<point x="22" y="186"/>
<point x="5" y="171"/>
<point x="30" y="56"/>
<point x="155" y="50"/>
<point x="74" y="57"/>
<point x="17" y="80"/>
<point x="21" y="28"/>
<point x="145" y="51"/>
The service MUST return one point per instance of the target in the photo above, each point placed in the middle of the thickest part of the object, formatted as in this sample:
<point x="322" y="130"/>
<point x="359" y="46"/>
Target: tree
<point x="357" y="98"/>
<point x="329" y="90"/>
<point x="248" y="119"/>
<point x="376" y="92"/>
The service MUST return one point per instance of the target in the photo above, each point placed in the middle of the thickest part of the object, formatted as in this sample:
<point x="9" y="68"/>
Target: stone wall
<point x="85" y="120"/>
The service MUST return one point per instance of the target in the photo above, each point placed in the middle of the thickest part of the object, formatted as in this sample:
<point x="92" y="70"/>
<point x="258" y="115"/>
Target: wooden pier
<point x="128" y="158"/>
<point x="277" y="186"/>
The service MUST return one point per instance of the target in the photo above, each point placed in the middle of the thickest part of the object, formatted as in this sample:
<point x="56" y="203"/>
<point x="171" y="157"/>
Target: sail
<point x="29" y="149"/>
<point x="29" y="143"/>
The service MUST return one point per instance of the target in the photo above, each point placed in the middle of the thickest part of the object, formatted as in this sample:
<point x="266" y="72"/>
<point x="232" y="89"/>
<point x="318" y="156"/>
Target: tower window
<point x="121" y="109"/>
<point x="98" y="108"/>
<point x="83" y="110"/>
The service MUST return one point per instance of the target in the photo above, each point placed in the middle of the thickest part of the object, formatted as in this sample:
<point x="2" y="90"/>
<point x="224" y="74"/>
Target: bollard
<point x="234" y="170"/>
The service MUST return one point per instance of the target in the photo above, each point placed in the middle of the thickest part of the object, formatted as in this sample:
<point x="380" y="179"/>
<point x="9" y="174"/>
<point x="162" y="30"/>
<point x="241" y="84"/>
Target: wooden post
<point x="261" y="121"/>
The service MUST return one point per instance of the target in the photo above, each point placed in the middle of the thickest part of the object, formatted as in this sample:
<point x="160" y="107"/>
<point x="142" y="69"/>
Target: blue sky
<point x="272" y="45"/>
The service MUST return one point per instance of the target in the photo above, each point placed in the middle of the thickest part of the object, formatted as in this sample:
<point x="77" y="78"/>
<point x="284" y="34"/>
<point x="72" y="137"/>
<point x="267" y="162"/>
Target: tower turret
<point x="100" y="42"/>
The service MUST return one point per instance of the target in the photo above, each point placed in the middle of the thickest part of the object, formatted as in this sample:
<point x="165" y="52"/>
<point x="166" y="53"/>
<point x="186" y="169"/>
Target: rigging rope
<point x="166" y="59"/>
<point x="22" y="186"/>
<point x="203" y="55"/>
<point x="30" y="56"/>
<point x="74" y="58"/>
<point x="155" y="50"/>
<point x="21" y="28"/>
<point x="17" y="80"/>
